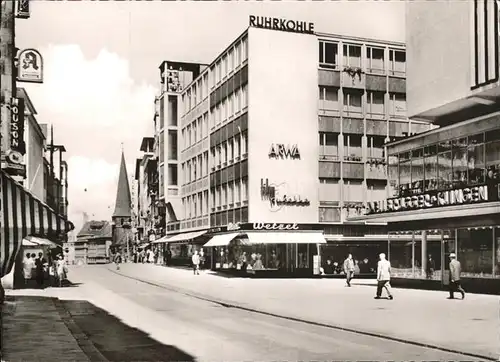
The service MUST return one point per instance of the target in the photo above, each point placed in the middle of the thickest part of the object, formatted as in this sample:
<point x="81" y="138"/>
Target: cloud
<point x="94" y="105"/>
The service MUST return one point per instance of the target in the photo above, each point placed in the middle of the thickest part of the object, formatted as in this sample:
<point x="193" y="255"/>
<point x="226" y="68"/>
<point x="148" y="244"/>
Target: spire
<point x="123" y="199"/>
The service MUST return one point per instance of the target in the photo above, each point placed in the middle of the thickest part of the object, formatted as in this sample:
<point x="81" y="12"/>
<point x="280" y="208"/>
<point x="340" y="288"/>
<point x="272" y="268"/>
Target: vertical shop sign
<point x="17" y="143"/>
<point x="23" y="9"/>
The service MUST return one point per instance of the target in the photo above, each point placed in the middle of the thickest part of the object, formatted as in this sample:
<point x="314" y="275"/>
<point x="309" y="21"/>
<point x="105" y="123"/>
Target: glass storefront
<point x="365" y="256"/>
<point x="456" y="163"/>
<point x="240" y="255"/>
<point x="424" y="254"/>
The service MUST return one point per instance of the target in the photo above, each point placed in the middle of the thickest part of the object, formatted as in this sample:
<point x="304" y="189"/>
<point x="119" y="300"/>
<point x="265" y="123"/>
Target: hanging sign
<point x="30" y="67"/>
<point x="23" y="9"/>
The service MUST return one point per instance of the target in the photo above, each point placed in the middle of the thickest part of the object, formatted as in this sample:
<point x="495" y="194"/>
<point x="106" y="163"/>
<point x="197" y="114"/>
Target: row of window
<point x="354" y="101"/>
<point x="353" y="191"/>
<point x="228" y="62"/>
<point x="195" y="131"/>
<point x="352" y="146"/>
<point x="230" y="193"/>
<point x="373" y="59"/>
<point x="230" y="150"/>
<point x="457" y="163"/>
<point x="229" y="107"/>
<point x="194" y="169"/>
<point x="195" y="205"/>
<point x="197" y="93"/>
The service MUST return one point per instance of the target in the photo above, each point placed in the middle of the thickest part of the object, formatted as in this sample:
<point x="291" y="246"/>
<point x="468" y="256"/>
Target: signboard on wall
<point x="266" y="226"/>
<point x="13" y="162"/>
<point x="293" y="26"/>
<point x="30" y="67"/>
<point x="279" y="196"/>
<point x="282" y="151"/>
<point x="432" y="199"/>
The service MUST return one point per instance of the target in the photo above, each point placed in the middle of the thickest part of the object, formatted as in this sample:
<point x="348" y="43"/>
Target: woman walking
<point x="61" y="270"/>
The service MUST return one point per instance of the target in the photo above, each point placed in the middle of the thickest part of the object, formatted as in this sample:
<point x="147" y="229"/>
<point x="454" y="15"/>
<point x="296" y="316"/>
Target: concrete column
<point x="424" y="251"/>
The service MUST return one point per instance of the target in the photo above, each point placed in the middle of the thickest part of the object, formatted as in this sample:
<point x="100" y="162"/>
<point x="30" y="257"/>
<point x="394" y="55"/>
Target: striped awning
<point x="22" y="215"/>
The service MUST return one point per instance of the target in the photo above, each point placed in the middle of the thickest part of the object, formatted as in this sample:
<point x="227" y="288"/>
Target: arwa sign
<point x="280" y="150"/>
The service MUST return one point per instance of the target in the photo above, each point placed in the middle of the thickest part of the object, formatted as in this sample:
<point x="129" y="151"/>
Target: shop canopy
<point x="22" y="215"/>
<point x="34" y="241"/>
<point x="185" y="236"/>
<point x="271" y="237"/>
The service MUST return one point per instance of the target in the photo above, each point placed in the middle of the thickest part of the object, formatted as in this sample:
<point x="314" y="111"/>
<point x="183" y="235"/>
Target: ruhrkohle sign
<point x="293" y="26"/>
<point x="468" y="195"/>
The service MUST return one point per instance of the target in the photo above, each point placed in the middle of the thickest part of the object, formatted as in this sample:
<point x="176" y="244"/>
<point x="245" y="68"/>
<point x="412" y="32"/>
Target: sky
<point x="101" y="70"/>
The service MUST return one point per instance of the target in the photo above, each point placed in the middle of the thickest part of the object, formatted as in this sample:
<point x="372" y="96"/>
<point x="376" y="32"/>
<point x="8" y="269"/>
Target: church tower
<point x="122" y="216"/>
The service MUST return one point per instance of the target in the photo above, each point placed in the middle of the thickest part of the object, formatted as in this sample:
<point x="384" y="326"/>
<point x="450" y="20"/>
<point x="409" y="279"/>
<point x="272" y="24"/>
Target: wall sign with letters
<point x="23" y="9"/>
<point x="467" y="195"/>
<point x="278" y="197"/>
<point x="281" y="24"/>
<point x="17" y="143"/>
<point x="263" y="226"/>
<point x="30" y="67"/>
<point x="282" y="151"/>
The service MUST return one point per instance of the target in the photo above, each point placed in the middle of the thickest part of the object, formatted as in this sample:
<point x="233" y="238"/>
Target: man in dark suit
<point x="455" y="270"/>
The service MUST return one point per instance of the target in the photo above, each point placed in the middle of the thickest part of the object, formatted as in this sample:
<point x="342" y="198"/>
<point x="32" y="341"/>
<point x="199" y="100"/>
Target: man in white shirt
<point x="384" y="277"/>
<point x="196" y="263"/>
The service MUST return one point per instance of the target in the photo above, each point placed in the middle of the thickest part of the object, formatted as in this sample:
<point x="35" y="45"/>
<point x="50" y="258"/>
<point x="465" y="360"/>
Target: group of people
<point x="384" y="276"/>
<point x="44" y="270"/>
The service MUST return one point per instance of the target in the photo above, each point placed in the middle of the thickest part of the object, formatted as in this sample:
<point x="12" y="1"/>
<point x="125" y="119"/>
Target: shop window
<point x="393" y="172"/>
<point x="375" y="60"/>
<point x="417" y="171"/>
<point x="375" y="105"/>
<point x="475" y="160"/>
<point x="353" y="103"/>
<point x="445" y="171"/>
<point x="375" y="146"/>
<point x="475" y="251"/>
<point x="329" y="98"/>
<point x="492" y="151"/>
<point x="352" y="55"/>
<point x="224" y="195"/>
<point x="397" y="62"/>
<point x="328" y="54"/>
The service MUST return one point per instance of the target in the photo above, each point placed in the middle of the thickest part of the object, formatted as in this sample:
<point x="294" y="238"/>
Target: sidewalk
<point x="425" y="317"/>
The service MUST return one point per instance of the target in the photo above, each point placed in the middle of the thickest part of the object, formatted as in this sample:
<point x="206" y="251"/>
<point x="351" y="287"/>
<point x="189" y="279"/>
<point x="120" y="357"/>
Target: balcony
<point x="353" y="77"/>
<point x="376" y="169"/>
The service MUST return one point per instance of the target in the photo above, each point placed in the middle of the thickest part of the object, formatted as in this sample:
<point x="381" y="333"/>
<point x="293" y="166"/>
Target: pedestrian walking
<point x="383" y="277"/>
<point x="28" y="265"/>
<point x="455" y="271"/>
<point x="196" y="263"/>
<point x="202" y="259"/>
<point x="118" y="260"/>
<point x="61" y="270"/>
<point x="349" y="269"/>
<point x="39" y="267"/>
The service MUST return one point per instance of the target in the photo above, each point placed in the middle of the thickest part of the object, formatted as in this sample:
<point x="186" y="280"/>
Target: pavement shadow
<point x="112" y="338"/>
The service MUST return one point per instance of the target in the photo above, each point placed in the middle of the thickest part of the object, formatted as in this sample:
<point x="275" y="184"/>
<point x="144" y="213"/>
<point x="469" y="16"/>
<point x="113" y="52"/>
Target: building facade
<point x="266" y="140"/>
<point x="444" y="184"/>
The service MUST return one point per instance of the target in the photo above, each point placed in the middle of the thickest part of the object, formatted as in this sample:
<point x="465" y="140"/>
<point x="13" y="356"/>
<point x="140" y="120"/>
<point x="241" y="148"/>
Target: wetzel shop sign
<point x="468" y="195"/>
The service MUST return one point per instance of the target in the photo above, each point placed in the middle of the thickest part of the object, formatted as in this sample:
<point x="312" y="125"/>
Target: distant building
<point x="122" y="216"/>
<point x="92" y="244"/>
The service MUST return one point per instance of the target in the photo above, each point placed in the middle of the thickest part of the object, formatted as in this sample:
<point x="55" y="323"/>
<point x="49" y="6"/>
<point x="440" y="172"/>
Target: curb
<point x="300" y="320"/>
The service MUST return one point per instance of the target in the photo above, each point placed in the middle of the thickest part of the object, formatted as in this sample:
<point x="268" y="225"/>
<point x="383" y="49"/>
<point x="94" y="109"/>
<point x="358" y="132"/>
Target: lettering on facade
<point x="441" y="198"/>
<point x="281" y="24"/>
<point x="17" y="143"/>
<point x="274" y="226"/>
<point x="278" y="198"/>
<point x="233" y="226"/>
<point x="282" y="151"/>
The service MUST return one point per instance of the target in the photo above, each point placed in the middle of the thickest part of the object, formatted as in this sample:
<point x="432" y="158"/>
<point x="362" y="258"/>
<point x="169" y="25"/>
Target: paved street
<point x="425" y="317"/>
<point x="116" y="318"/>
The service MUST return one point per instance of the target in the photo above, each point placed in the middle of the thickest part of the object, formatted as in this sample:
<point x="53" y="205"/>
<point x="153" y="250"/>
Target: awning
<point x="21" y="215"/>
<point x="34" y="241"/>
<point x="186" y="236"/>
<point x="271" y="237"/>
<point x="163" y="239"/>
<point x="221" y="240"/>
